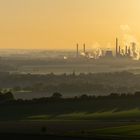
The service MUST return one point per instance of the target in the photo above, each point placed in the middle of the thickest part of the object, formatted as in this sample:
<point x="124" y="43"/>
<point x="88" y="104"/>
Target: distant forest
<point x="72" y="84"/>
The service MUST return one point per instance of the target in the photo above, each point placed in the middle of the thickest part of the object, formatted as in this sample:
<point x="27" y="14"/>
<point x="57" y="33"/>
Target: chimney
<point x="84" y="48"/>
<point x="119" y="49"/>
<point x="129" y="52"/>
<point x="77" y="50"/>
<point x="126" y="50"/>
<point x="116" y="46"/>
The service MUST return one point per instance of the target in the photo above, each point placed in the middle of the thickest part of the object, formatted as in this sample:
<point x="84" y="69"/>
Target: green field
<point x="106" y="124"/>
<point x="130" y="115"/>
<point x="127" y="132"/>
<point x="130" y="130"/>
<point x="112" y="116"/>
<point x="109" y="124"/>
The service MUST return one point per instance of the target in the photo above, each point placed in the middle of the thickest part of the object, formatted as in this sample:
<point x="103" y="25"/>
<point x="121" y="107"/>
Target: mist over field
<point x="39" y="73"/>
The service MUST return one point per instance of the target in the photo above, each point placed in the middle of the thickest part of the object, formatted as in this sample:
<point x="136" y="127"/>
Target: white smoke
<point x="131" y="41"/>
<point x="97" y="51"/>
<point x="135" y="51"/>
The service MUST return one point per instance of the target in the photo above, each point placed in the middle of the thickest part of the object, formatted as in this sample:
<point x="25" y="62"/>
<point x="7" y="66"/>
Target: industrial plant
<point x="128" y="52"/>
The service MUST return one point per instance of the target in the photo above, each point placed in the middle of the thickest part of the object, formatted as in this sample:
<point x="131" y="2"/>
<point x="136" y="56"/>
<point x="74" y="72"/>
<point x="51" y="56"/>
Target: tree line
<point x="7" y="96"/>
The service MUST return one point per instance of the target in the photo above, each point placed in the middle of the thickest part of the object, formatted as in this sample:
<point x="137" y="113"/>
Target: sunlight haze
<point x="60" y="24"/>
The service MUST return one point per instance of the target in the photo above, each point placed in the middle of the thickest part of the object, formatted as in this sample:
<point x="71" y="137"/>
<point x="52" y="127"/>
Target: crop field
<point x="109" y="124"/>
<point x="104" y="117"/>
<point x="129" y="115"/>
<point x="129" y="130"/>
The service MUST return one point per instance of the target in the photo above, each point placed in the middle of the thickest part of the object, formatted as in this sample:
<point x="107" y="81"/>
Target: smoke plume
<point x="97" y="51"/>
<point x="131" y="41"/>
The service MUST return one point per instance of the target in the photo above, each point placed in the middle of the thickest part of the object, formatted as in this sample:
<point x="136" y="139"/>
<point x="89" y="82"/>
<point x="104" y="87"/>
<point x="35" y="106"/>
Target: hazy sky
<point x="60" y="24"/>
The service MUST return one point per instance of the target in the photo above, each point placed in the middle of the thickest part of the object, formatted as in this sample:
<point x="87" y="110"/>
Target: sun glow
<point x="53" y="24"/>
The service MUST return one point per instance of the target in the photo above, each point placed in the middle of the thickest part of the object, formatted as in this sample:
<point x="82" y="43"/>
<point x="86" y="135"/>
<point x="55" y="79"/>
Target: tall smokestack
<point x="126" y="50"/>
<point x="119" y="49"/>
<point x="77" y="50"/>
<point x="129" y="51"/>
<point x="84" y="48"/>
<point x="116" y="46"/>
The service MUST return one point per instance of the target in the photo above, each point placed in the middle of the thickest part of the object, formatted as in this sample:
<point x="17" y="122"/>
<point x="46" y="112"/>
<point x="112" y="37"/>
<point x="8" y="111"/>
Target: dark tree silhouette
<point x="57" y="95"/>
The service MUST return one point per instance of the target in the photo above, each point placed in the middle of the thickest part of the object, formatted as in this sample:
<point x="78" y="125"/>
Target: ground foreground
<point x="71" y="130"/>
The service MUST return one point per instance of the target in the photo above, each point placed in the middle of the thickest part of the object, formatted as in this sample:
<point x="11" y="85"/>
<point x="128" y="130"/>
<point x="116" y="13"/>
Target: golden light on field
<point x="59" y="24"/>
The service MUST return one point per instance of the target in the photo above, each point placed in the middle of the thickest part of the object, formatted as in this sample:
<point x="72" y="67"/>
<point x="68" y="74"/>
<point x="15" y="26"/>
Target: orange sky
<point x="60" y="24"/>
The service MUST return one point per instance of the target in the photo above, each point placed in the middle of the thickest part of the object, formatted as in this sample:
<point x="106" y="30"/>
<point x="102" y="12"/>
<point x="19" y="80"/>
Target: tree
<point x="7" y="96"/>
<point x="57" y="95"/>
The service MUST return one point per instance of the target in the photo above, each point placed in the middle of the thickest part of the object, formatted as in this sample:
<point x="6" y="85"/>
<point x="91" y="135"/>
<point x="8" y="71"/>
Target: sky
<point x="60" y="24"/>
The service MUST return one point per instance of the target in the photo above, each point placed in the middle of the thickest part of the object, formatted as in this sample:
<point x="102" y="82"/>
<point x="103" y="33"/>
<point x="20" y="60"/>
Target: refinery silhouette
<point x="128" y="52"/>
